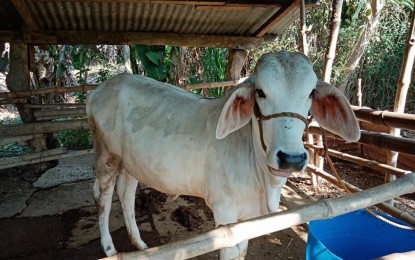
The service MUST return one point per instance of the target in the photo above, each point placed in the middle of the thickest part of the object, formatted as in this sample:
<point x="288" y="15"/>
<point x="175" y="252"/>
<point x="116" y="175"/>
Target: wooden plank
<point x="42" y="91"/>
<point x="280" y="14"/>
<point x="26" y="157"/>
<point x="47" y="158"/>
<point x="55" y="106"/>
<point x="59" y="112"/>
<point x="18" y="139"/>
<point x="146" y="38"/>
<point x="42" y="127"/>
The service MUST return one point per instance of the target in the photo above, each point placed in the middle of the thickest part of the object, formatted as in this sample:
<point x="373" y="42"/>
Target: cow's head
<point x="285" y="82"/>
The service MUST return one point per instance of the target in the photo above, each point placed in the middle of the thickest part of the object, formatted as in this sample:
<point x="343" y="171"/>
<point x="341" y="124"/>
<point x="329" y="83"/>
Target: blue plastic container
<point x="356" y="236"/>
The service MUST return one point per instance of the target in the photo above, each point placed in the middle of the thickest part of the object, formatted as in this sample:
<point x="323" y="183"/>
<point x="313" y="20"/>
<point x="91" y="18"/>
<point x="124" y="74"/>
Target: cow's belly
<point x="171" y="163"/>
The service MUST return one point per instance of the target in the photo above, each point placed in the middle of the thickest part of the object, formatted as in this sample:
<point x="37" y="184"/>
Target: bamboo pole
<point x="374" y="165"/>
<point x="380" y="140"/>
<point x="232" y="234"/>
<point x="334" y="35"/>
<point x="47" y="158"/>
<point x="42" y="91"/>
<point x="404" y="216"/>
<point x="303" y="29"/>
<point x="216" y="84"/>
<point x="386" y="118"/>
<point x="402" y="90"/>
<point x="42" y="127"/>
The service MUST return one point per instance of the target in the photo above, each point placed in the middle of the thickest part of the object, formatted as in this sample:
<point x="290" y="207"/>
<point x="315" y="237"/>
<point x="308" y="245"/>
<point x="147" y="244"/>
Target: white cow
<point x="225" y="150"/>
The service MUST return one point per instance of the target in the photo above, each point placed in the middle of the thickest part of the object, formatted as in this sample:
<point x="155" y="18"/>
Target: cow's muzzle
<point x="291" y="162"/>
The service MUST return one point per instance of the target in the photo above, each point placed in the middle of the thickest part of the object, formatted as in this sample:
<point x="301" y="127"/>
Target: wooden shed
<point x="236" y="24"/>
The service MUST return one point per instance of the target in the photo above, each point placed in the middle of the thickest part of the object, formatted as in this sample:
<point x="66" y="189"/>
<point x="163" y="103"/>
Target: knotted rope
<point x="260" y="117"/>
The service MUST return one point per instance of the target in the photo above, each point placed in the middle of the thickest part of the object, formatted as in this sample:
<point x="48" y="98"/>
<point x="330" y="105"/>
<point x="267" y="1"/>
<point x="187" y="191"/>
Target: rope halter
<point x="260" y="117"/>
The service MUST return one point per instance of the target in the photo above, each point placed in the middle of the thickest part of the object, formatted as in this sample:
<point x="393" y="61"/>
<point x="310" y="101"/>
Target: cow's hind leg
<point x="107" y="167"/>
<point x="126" y="187"/>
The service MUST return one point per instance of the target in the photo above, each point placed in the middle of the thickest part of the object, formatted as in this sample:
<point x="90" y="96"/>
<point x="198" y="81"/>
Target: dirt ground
<point x="58" y="220"/>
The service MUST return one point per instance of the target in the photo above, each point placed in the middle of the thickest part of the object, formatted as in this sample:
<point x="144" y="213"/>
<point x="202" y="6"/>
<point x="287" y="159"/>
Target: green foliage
<point x="380" y="68"/>
<point x="75" y="139"/>
<point x="13" y="149"/>
<point x="214" y="67"/>
<point x="153" y="60"/>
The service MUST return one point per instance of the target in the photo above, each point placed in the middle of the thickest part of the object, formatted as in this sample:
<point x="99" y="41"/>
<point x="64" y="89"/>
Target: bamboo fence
<point x="232" y="234"/>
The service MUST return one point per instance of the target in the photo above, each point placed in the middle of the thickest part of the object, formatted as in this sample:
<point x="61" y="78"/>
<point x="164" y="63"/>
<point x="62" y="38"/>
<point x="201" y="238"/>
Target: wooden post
<point x="236" y="60"/>
<point x="18" y="79"/>
<point x="303" y="29"/>
<point x="402" y="90"/>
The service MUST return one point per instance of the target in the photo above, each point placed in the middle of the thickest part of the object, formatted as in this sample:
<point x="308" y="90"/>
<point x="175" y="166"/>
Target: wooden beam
<point x="26" y="15"/>
<point x="42" y="91"/>
<point x="216" y="84"/>
<point x="146" y="38"/>
<point x="42" y="127"/>
<point x="11" y="36"/>
<point x="47" y="158"/>
<point x="380" y="140"/>
<point x="386" y="118"/>
<point x="276" y="18"/>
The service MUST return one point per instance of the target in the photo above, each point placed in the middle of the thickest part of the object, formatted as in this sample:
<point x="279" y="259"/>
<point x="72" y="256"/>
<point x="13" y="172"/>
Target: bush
<point x="75" y="139"/>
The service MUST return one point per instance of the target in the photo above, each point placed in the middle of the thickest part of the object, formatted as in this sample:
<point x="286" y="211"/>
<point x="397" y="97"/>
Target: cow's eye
<point x="313" y="92"/>
<point x="260" y="93"/>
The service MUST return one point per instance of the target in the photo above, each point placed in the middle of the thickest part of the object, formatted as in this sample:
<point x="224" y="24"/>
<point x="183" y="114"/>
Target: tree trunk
<point x="334" y="34"/>
<point x="360" y="47"/>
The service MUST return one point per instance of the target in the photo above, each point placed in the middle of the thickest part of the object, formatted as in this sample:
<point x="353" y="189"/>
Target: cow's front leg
<point x="224" y="212"/>
<point x="126" y="187"/>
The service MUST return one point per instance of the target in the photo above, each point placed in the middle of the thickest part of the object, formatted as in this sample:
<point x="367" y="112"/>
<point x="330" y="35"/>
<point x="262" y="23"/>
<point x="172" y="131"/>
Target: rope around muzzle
<point x="260" y="117"/>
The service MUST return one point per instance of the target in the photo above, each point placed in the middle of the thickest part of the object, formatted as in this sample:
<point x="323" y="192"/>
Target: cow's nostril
<point x="291" y="162"/>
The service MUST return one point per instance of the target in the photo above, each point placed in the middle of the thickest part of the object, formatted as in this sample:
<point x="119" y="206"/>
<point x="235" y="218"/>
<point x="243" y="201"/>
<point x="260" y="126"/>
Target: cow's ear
<point x="237" y="110"/>
<point x="332" y="111"/>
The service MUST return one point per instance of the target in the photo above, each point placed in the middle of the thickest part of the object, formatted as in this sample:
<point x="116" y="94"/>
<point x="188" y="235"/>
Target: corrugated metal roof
<point x="9" y="16"/>
<point x="115" y="16"/>
<point x="231" y="18"/>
